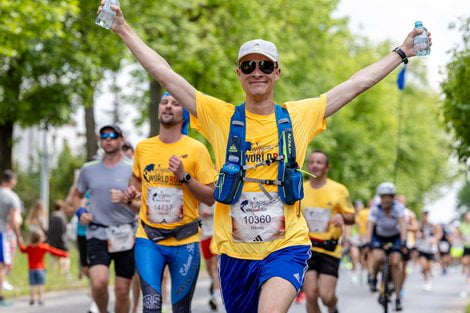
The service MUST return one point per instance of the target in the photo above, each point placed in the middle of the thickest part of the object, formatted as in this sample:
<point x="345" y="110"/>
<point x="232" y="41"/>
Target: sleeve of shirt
<point x="212" y="114"/>
<point x="55" y="251"/>
<point x="136" y="164"/>
<point x="23" y="248"/>
<point x="345" y="202"/>
<point x="82" y="184"/>
<point x="373" y="214"/>
<point x="205" y="171"/>
<point x="16" y="203"/>
<point x="309" y="116"/>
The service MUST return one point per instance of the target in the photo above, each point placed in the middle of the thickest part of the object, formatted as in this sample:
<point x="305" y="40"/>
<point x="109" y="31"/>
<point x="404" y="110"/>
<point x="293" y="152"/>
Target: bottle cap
<point x="418" y="24"/>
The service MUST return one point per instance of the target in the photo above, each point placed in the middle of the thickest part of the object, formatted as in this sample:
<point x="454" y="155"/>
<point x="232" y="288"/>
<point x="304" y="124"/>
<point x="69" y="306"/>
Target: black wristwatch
<point x="186" y="178"/>
<point x="402" y="54"/>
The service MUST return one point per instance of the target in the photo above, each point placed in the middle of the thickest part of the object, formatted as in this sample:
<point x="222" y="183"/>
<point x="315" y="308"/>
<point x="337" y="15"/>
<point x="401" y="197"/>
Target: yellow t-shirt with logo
<point x="255" y="226"/>
<point x="167" y="203"/>
<point x="319" y="206"/>
<point x="361" y="221"/>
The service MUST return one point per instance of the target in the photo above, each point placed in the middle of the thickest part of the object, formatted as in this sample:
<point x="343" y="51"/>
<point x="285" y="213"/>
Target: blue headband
<point x="184" y="128"/>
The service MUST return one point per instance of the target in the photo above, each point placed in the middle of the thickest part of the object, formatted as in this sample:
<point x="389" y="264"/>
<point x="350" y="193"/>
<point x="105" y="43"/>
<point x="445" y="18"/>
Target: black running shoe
<point x="398" y="306"/>
<point x="213" y="305"/>
<point x="373" y="284"/>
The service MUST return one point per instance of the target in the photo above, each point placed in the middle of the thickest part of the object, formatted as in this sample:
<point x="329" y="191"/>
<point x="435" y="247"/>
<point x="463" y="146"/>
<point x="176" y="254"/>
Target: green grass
<point x="54" y="280"/>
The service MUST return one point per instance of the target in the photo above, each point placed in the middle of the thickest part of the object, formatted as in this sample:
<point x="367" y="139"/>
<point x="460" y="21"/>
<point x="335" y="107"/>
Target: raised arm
<point x="154" y="64"/>
<point x="364" y="79"/>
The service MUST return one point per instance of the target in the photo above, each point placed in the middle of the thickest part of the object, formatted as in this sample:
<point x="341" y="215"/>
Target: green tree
<point x="463" y="198"/>
<point x="456" y="105"/>
<point x="36" y="79"/>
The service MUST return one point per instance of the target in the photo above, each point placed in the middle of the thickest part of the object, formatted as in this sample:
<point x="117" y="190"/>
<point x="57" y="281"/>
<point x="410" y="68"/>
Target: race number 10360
<point x="255" y="219"/>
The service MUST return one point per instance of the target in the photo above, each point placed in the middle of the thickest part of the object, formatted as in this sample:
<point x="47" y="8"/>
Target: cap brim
<point x="257" y="52"/>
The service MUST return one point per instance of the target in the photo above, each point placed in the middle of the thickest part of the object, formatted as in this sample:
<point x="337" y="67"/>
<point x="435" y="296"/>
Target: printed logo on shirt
<point x="258" y="153"/>
<point x="157" y="174"/>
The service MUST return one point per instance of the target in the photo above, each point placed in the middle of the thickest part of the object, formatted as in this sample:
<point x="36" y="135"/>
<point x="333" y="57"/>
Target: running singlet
<point x="361" y="221"/>
<point x="425" y="243"/>
<point x="256" y="226"/>
<point x="167" y="203"/>
<point x="465" y="231"/>
<point x="319" y="206"/>
<point x="387" y="225"/>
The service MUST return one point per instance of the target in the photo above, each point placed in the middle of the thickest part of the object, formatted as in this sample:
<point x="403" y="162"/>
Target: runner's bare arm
<point x="204" y="193"/>
<point x="403" y="230"/>
<point x="370" y="227"/>
<point x="154" y="64"/>
<point x="133" y="194"/>
<point x="349" y="218"/>
<point x="364" y="79"/>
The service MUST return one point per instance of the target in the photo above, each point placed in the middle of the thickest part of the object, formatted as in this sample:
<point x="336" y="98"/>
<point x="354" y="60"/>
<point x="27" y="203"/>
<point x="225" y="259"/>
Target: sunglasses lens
<point x="266" y="67"/>
<point x="109" y="135"/>
<point x="247" y="67"/>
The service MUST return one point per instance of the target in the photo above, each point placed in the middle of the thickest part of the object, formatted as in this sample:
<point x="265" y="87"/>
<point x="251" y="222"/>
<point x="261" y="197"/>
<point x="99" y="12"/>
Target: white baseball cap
<point x="260" y="46"/>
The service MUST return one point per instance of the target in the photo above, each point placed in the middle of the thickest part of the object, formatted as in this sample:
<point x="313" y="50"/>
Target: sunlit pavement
<point x="449" y="295"/>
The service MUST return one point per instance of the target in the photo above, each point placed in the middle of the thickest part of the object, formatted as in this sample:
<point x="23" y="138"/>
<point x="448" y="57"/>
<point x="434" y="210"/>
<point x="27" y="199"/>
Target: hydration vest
<point x="233" y="173"/>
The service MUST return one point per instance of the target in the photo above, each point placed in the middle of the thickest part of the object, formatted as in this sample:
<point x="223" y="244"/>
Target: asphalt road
<point x="450" y="294"/>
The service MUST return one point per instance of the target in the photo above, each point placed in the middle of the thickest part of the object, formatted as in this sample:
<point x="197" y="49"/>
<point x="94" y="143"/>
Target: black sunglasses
<point x="267" y="67"/>
<point x="111" y="135"/>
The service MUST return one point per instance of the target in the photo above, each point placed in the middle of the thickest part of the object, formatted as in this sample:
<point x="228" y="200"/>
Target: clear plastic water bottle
<point x="106" y="17"/>
<point x="421" y="42"/>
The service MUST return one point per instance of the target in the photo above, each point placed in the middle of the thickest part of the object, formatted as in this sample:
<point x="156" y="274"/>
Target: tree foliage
<point x="456" y="105"/>
<point x="52" y="56"/>
<point x="463" y="199"/>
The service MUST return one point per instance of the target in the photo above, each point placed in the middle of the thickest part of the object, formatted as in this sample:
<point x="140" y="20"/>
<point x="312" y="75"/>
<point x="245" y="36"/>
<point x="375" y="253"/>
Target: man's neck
<point x="170" y="134"/>
<point x="262" y="105"/>
<point x="111" y="159"/>
<point x="318" y="182"/>
<point x="5" y="185"/>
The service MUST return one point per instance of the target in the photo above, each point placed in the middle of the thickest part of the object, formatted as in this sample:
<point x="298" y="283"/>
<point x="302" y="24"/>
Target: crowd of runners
<point x="156" y="212"/>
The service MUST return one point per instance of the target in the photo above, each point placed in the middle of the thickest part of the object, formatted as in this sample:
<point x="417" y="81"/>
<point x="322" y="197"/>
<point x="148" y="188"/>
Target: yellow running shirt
<point x="166" y="203"/>
<point x="255" y="227"/>
<point x="361" y="221"/>
<point x="319" y="206"/>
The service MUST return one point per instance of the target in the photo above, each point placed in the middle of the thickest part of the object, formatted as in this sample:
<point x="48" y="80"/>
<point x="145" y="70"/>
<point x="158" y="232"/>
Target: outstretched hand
<point x="407" y="45"/>
<point x="119" y="20"/>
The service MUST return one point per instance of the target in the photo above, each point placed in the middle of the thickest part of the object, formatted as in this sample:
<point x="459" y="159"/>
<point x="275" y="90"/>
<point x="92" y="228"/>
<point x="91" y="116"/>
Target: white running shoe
<point x="7" y="286"/>
<point x="427" y="286"/>
<point x="93" y="308"/>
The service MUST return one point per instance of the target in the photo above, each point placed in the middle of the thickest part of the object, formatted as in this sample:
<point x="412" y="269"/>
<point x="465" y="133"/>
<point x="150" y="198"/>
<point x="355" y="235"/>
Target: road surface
<point x="450" y="294"/>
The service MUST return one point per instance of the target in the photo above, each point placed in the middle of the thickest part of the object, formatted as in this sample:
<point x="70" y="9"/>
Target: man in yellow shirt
<point x="173" y="173"/>
<point x="263" y="242"/>
<point x="326" y="208"/>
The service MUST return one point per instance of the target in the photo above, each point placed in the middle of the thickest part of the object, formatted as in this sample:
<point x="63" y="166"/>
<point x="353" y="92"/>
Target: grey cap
<point x="114" y="127"/>
<point x="259" y="46"/>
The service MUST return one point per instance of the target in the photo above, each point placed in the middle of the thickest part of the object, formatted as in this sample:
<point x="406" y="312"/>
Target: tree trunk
<point x="6" y="145"/>
<point x="155" y="94"/>
<point x="91" y="144"/>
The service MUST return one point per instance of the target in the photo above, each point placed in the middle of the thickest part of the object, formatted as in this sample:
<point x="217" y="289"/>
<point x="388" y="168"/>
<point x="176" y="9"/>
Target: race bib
<point x="164" y="205"/>
<point x="444" y="246"/>
<point x="120" y="237"/>
<point x="318" y="219"/>
<point x="255" y="218"/>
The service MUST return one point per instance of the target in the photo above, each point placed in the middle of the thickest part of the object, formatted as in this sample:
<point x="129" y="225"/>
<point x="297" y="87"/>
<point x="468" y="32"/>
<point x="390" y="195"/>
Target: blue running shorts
<point x="241" y="280"/>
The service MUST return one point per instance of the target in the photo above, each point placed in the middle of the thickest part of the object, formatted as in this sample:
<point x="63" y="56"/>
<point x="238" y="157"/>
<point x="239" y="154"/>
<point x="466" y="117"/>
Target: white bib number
<point x="318" y="219"/>
<point x="255" y="218"/>
<point x="120" y="238"/>
<point x="165" y="205"/>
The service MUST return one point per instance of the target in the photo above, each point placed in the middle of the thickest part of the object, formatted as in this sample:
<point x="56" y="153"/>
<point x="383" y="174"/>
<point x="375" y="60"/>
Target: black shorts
<point x="81" y="243"/>
<point x="124" y="263"/>
<point x="427" y="256"/>
<point x="323" y="264"/>
<point x="466" y="251"/>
